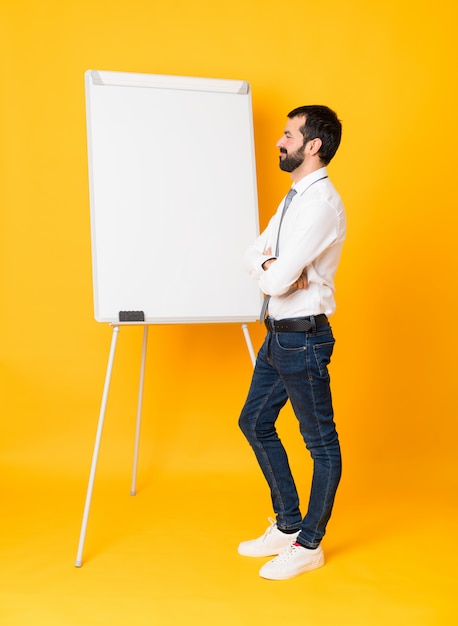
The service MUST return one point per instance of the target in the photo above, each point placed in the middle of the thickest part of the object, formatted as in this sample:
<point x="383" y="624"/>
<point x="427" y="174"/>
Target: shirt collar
<point x="305" y="182"/>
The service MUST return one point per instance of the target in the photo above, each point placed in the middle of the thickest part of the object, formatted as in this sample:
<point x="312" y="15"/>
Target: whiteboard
<point x="173" y="197"/>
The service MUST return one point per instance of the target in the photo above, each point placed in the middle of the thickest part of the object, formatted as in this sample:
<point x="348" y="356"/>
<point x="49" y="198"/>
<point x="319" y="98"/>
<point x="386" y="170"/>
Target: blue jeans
<point x="294" y="365"/>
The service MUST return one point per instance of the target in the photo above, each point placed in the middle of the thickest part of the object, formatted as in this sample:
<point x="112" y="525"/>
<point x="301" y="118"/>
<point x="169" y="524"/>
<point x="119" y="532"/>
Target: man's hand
<point x="302" y="282"/>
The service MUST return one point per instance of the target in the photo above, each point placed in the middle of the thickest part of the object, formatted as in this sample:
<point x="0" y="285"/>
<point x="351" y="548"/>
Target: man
<point x="295" y="260"/>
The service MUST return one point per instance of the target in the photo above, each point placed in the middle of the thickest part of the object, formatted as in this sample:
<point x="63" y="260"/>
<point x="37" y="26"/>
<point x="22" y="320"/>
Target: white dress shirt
<point x="312" y="234"/>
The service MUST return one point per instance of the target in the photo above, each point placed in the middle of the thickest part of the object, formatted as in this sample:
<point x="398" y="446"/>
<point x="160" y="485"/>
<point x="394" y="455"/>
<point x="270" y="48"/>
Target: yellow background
<point x="389" y="70"/>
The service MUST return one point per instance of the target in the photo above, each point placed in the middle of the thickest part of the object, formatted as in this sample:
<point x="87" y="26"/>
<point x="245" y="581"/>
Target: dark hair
<point x="322" y="123"/>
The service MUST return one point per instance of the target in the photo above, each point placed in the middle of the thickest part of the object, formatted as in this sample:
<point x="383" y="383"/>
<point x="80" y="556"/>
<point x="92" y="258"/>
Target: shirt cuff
<point x="264" y="259"/>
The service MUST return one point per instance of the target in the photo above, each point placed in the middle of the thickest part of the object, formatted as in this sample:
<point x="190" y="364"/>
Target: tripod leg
<point x="133" y="489"/>
<point x="95" y="454"/>
<point x="249" y="344"/>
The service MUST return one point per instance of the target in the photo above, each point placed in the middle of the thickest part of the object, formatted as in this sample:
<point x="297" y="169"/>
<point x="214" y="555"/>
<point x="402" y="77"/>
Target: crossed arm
<point x="301" y="282"/>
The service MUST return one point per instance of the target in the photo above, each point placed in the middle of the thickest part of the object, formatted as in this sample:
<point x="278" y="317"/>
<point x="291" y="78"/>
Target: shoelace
<point x="288" y="553"/>
<point x="272" y="527"/>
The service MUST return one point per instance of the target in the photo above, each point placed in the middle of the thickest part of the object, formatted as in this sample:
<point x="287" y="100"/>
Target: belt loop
<point x="313" y="323"/>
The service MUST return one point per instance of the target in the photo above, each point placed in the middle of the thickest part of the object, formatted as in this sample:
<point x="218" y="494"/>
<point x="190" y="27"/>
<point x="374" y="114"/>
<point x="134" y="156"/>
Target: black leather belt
<point x="296" y="324"/>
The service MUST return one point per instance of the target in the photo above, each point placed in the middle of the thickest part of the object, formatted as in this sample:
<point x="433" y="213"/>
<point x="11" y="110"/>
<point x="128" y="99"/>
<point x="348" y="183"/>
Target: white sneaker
<point x="273" y="541"/>
<point x="294" y="560"/>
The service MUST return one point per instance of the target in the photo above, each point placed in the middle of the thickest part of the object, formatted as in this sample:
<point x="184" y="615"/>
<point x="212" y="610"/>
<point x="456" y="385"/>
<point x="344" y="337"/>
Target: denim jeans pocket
<point x="290" y="354"/>
<point x="291" y="342"/>
<point x="323" y="353"/>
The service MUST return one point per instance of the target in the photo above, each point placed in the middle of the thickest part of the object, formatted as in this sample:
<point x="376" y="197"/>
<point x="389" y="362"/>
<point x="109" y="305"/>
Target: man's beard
<point x="291" y="161"/>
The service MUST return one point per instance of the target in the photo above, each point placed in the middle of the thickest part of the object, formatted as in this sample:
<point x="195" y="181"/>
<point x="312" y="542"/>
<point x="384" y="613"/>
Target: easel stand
<point x="98" y="438"/>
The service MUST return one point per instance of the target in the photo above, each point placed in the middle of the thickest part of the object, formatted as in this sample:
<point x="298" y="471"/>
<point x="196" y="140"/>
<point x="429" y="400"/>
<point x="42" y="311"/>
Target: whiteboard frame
<point x="96" y="79"/>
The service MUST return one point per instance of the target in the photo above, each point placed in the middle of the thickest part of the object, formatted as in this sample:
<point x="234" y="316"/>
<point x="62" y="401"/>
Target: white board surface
<point x="173" y="197"/>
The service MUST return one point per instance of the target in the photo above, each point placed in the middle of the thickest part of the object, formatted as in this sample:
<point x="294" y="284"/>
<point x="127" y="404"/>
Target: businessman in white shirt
<point x="295" y="260"/>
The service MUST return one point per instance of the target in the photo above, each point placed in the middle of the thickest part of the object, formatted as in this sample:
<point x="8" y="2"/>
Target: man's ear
<point x="314" y="146"/>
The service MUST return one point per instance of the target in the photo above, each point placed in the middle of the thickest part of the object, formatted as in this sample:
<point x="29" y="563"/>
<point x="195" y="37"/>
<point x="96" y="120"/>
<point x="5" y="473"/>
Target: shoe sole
<point x="303" y="570"/>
